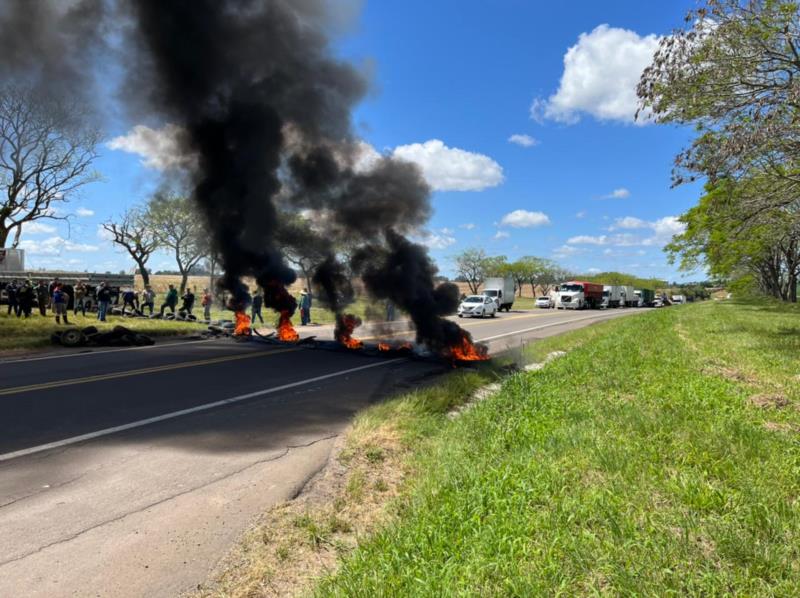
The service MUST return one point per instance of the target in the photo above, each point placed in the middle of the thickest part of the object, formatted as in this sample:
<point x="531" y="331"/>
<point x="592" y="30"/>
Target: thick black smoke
<point x="266" y="110"/>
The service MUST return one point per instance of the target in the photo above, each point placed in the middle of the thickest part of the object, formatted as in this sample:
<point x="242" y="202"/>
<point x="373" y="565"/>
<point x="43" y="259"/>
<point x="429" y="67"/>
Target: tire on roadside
<point x="72" y="337"/>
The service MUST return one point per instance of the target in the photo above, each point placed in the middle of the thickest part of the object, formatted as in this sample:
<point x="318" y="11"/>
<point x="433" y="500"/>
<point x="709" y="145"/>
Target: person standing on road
<point x="80" y="299"/>
<point x="12" y="294"/>
<point x="26" y="295"/>
<point x="188" y="301"/>
<point x="148" y="299"/>
<point x="171" y="300"/>
<point x="42" y="298"/>
<point x="60" y="301"/>
<point x="206" y="302"/>
<point x="390" y="310"/>
<point x="305" y="308"/>
<point x="255" y="308"/>
<point x="103" y="301"/>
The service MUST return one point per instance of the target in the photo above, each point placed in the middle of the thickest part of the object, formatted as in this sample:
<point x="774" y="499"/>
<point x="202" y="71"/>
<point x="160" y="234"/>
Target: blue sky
<point x="452" y="81"/>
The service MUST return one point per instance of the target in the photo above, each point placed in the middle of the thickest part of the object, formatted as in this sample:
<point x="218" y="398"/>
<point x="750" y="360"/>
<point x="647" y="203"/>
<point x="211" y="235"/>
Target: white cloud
<point x="366" y="157"/>
<point x="451" y="169"/>
<point x="581" y="214"/>
<point x="566" y="251"/>
<point x="467" y="226"/>
<point x="55" y="246"/>
<point x="501" y="234"/>
<point x="446" y="231"/>
<point x="662" y="229"/>
<point x="84" y="212"/>
<point x="621" y="193"/>
<point x="588" y="240"/>
<point x="593" y="270"/>
<point x="104" y="234"/>
<point x="600" y="76"/>
<point x="434" y="240"/>
<point x="161" y="149"/>
<point x="523" y="140"/>
<point x="525" y="219"/>
<point x="36" y="228"/>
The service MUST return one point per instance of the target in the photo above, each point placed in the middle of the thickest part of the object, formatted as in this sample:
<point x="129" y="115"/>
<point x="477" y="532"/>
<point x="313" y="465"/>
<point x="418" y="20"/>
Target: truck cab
<point x="579" y="295"/>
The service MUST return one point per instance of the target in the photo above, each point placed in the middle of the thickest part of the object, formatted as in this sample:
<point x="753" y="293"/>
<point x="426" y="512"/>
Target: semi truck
<point x="501" y="290"/>
<point x="612" y="295"/>
<point x="577" y="294"/>
<point x="646" y="297"/>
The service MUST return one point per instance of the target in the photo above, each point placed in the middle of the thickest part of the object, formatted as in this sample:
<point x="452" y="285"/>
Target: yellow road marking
<point x="151" y="370"/>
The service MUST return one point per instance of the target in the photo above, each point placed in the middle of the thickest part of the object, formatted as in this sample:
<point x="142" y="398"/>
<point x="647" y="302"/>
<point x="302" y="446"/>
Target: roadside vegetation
<point x="659" y="458"/>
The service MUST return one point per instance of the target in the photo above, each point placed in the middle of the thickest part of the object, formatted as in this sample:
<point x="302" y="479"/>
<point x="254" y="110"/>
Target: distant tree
<point x="518" y="270"/>
<point x="135" y="233"/>
<point x="471" y="267"/>
<point x="47" y="146"/>
<point x="177" y="225"/>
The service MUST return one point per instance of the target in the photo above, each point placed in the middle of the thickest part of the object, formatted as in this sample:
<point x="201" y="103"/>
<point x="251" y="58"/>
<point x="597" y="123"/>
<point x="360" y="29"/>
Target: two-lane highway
<point x="130" y="472"/>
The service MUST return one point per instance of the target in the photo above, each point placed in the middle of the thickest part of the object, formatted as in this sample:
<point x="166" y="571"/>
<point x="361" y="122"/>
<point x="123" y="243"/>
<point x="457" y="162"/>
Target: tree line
<point x="733" y="73"/>
<point x="474" y="266"/>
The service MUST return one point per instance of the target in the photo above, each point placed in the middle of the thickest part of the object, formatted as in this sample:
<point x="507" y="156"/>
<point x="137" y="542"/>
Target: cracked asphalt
<point x="132" y="473"/>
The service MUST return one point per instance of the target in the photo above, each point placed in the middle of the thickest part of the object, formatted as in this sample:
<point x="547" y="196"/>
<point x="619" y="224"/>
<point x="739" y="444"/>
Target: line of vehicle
<point x="150" y="370"/>
<point x="199" y="408"/>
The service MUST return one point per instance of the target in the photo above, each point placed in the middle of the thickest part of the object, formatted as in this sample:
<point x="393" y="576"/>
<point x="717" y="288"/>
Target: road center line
<point x="548" y="325"/>
<point x="191" y="410"/>
<point x="150" y="370"/>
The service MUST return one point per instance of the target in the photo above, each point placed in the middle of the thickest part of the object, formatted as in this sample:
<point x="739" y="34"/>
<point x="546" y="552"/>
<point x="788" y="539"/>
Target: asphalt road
<point x="131" y="472"/>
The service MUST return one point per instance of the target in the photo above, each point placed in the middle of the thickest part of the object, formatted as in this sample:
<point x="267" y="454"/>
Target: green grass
<point x="644" y="462"/>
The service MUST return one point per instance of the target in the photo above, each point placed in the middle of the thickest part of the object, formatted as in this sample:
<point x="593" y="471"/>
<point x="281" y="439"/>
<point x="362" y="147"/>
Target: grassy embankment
<point x="660" y="456"/>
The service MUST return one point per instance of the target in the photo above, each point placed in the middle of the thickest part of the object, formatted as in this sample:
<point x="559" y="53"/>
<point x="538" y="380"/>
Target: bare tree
<point x="135" y="234"/>
<point x="471" y="267"/>
<point x="46" y="149"/>
<point x="177" y="225"/>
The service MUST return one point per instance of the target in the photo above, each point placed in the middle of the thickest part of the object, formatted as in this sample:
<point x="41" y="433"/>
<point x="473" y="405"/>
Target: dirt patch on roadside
<point x="769" y="401"/>
<point x="294" y="544"/>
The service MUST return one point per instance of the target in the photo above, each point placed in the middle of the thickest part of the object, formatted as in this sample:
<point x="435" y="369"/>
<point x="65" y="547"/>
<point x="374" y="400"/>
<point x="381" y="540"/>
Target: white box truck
<point x="612" y="295"/>
<point x="501" y="290"/>
<point x="628" y="298"/>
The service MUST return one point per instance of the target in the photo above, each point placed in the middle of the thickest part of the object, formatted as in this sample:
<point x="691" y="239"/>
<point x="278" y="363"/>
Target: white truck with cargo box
<point x="629" y="298"/>
<point x="501" y="290"/>
<point x="612" y="296"/>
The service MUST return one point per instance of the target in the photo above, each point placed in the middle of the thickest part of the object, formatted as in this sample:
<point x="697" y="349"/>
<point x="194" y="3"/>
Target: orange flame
<point x="384" y="347"/>
<point x="467" y="351"/>
<point x="402" y="346"/>
<point x="286" y="331"/>
<point x="344" y="331"/>
<point x="242" y="324"/>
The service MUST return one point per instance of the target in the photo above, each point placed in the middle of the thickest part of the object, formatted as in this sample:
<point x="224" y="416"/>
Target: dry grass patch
<point x="770" y="401"/>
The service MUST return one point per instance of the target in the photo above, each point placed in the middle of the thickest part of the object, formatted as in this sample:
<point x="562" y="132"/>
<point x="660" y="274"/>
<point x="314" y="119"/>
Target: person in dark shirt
<point x="26" y="296"/>
<point x="171" y="299"/>
<point x="42" y="297"/>
<point x="129" y="298"/>
<point x="60" y="302"/>
<point x="12" y="294"/>
<point x="103" y="297"/>
<point x="188" y="301"/>
<point x="255" y="308"/>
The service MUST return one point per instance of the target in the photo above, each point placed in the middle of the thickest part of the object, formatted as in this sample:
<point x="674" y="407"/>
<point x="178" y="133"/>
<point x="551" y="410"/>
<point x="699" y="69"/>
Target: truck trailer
<point x="612" y="295"/>
<point x="501" y="290"/>
<point x="646" y="297"/>
<point x="579" y="295"/>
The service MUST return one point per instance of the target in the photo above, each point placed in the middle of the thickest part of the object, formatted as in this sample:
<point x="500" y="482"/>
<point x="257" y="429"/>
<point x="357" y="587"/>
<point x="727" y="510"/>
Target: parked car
<point x="545" y="302"/>
<point x="477" y="306"/>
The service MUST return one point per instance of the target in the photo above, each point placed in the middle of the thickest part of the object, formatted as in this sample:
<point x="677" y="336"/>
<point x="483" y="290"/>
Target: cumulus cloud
<point x="450" y="168"/>
<point x="662" y="231"/>
<point x="38" y="228"/>
<point x="630" y="222"/>
<point x="581" y="214"/>
<point x="104" y="234"/>
<point x="55" y="246"/>
<point x="600" y="76"/>
<point x="161" y="149"/>
<point x="467" y="226"/>
<point x="523" y="140"/>
<point x="435" y="240"/>
<point x="84" y="212"/>
<point x="501" y="234"/>
<point x="566" y="251"/>
<point x="621" y="193"/>
<point x="525" y="219"/>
